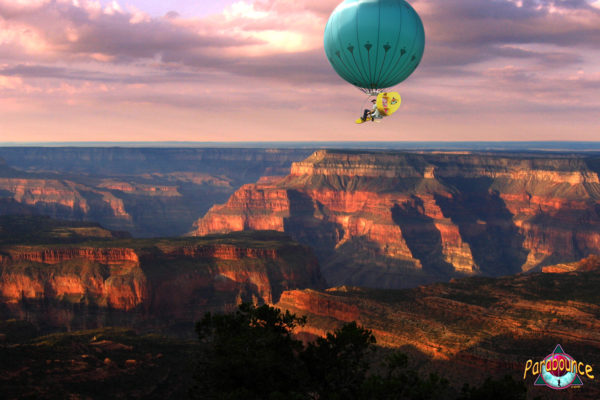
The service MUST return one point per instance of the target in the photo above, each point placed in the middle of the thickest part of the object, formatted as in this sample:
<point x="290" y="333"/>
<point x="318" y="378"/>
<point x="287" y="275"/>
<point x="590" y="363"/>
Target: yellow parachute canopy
<point x="388" y="103"/>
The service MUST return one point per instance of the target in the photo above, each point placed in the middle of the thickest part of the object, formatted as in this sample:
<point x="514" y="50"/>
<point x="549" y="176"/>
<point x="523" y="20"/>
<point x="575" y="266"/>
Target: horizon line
<point x="491" y="145"/>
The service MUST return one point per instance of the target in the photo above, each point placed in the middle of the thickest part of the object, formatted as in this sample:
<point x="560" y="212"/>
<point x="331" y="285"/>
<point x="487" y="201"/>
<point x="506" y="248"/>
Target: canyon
<point x="76" y="276"/>
<point x="470" y="262"/>
<point x="397" y="219"/>
<point x="148" y="192"/>
<point x="472" y="327"/>
<point x="148" y="283"/>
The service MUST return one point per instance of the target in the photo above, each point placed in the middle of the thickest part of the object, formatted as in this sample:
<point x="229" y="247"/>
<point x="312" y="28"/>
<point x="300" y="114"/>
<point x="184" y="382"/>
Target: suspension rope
<point x="362" y="109"/>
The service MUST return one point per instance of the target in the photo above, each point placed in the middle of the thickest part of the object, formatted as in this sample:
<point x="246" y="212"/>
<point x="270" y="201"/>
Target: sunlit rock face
<point x="145" y="191"/>
<point x="149" y="283"/>
<point x="400" y="219"/>
<point x="471" y="327"/>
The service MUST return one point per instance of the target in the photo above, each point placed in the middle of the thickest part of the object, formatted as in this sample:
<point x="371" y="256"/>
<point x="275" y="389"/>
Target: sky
<point x="255" y="70"/>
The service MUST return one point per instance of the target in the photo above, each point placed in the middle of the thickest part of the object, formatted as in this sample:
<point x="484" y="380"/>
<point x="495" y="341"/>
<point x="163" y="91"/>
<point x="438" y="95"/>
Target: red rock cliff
<point x="493" y="324"/>
<point x="58" y="255"/>
<point x="374" y="217"/>
<point x="168" y="279"/>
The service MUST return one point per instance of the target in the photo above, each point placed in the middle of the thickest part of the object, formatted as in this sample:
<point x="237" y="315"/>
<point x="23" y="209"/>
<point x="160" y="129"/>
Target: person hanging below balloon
<point x="374" y="45"/>
<point x="384" y="105"/>
<point x="369" y="115"/>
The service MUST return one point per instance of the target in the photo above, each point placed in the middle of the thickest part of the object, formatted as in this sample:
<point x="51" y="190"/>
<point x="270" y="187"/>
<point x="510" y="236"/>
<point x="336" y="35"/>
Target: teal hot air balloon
<point x="374" y="44"/>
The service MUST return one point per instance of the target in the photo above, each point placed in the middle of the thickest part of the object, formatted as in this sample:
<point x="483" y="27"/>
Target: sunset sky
<point x="255" y="70"/>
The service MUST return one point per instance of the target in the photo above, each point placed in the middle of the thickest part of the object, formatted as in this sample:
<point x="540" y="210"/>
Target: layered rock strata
<point x="471" y="327"/>
<point x="400" y="219"/>
<point x="148" y="192"/>
<point x="167" y="280"/>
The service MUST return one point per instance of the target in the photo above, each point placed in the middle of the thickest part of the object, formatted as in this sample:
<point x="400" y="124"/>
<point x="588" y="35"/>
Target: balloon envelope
<point x="374" y="44"/>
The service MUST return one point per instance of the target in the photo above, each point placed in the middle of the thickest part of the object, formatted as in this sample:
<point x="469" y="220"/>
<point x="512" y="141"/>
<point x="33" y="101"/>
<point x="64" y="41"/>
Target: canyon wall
<point x="146" y="191"/>
<point x="472" y="327"/>
<point x="393" y="219"/>
<point x="149" y="283"/>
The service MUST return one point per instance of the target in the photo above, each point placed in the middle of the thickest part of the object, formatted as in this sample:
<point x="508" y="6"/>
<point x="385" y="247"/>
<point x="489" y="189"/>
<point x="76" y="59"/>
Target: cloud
<point x="9" y="82"/>
<point x="256" y="37"/>
<point x="484" y="55"/>
<point x="80" y="30"/>
<point x="462" y="32"/>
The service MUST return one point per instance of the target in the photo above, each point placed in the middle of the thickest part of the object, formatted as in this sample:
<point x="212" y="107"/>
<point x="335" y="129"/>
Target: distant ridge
<point x="438" y="145"/>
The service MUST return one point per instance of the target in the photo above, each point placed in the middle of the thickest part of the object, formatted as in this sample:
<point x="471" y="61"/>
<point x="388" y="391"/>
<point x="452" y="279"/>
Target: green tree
<point x="249" y="354"/>
<point x="337" y="363"/>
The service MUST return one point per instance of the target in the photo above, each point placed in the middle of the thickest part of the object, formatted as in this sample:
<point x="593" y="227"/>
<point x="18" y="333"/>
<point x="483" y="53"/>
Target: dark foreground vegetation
<point x="252" y="354"/>
<point x="107" y="363"/>
<point x="245" y="355"/>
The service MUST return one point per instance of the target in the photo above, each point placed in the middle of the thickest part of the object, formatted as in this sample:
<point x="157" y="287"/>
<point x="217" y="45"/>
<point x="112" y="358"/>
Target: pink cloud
<point x="265" y="57"/>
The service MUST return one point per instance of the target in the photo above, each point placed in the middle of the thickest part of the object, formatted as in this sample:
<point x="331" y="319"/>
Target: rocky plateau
<point x="397" y="219"/>
<point x="148" y="283"/>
